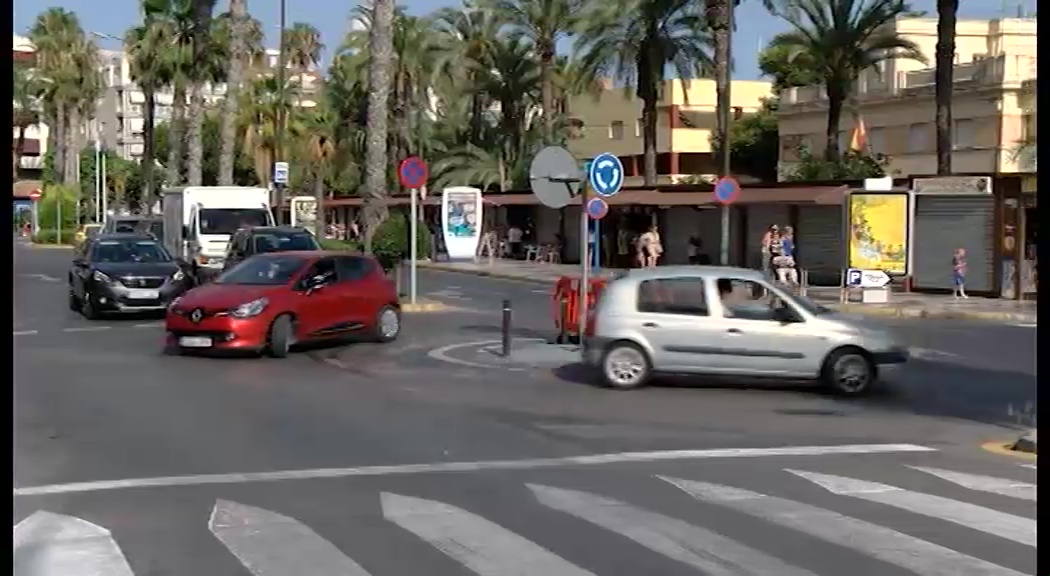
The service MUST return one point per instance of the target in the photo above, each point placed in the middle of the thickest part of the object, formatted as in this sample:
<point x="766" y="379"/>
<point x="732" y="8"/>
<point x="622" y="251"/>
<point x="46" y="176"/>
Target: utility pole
<point x="279" y="133"/>
<point x="725" y="108"/>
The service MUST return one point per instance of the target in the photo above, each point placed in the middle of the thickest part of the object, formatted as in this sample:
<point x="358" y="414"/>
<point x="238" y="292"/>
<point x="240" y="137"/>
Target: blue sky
<point x="754" y="25"/>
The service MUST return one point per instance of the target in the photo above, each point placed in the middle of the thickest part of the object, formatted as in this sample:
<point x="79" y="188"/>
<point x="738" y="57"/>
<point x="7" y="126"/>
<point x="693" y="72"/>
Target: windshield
<point x="156" y="228"/>
<point x="129" y="251"/>
<point x="284" y="242"/>
<point x="126" y="226"/>
<point x="263" y="271"/>
<point x="229" y="220"/>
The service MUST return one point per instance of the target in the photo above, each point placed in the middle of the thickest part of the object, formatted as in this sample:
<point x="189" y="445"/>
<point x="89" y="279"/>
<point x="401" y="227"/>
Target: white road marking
<point x="26" y="332"/>
<point x="1002" y="486"/>
<point x="442" y="353"/>
<point x="268" y="543"/>
<point x="87" y="329"/>
<point x="700" y="548"/>
<point x="1026" y="325"/>
<point x="919" y="556"/>
<point x="486" y="548"/>
<point x="546" y="292"/>
<point x="149" y="325"/>
<point x="43" y="277"/>
<point x="930" y="353"/>
<point x="1032" y="466"/>
<point x="475" y="466"/>
<point x="1016" y="528"/>
<point x="48" y="544"/>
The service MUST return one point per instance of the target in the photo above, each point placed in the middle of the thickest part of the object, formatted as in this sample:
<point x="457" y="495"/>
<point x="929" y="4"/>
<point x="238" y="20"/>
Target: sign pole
<point x="724" y="252"/>
<point x="36" y="217"/>
<point x="584" y="264"/>
<point x="413" y="231"/>
<point x="58" y="210"/>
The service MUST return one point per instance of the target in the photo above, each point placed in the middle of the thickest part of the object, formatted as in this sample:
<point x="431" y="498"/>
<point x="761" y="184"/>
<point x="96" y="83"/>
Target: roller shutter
<point x="759" y="218"/>
<point x="819" y="239"/>
<point x="944" y="223"/>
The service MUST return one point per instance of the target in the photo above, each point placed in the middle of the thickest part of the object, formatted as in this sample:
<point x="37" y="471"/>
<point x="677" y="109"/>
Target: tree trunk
<point x="946" y="16"/>
<point x="195" y="136"/>
<point x="175" y="134"/>
<point x="837" y="92"/>
<point x="381" y="49"/>
<point x="547" y="90"/>
<point x="149" y="153"/>
<point x="718" y="18"/>
<point x="70" y="173"/>
<point x="58" y="141"/>
<point x="20" y="146"/>
<point x="319" y="198"/>
<point x="648" y="91"/>
<point x="234" y="79"/>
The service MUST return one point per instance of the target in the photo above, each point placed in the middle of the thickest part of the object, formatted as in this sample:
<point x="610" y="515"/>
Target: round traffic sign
<point x="606" y="174"/>
<point x="413" y="172"/>
<point x="597" y="208"/>
<point x="727" y="190"/>
<point x="35" y="195"/>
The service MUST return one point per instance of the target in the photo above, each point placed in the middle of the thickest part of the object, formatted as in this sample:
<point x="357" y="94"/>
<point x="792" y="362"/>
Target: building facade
<point x="34" y="147"/>
<point x="993" y="105"/>
<point x="610" y="121"/>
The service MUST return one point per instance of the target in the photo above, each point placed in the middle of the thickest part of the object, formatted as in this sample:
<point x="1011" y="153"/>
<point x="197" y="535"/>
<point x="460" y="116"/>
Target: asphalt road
<point x="365" y="459"/>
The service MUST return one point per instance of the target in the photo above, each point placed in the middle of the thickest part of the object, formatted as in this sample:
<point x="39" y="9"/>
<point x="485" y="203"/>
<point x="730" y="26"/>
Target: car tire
<point x="282" y="336"/>
<point x="625" y="366"/>
<point x="387" y="325"/>
<point x="87" y="308"/>
<point x="849" y="372"/>
<point x="74" y="303"/>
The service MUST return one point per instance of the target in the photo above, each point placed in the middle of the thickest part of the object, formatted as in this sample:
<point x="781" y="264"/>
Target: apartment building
<point x="993" y="106"/>
<point x="611" y="121"/>
<point x="35" y="145"/>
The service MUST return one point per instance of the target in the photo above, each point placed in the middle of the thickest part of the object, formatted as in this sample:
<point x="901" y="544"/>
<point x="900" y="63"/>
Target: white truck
<point x="198" y="221"/>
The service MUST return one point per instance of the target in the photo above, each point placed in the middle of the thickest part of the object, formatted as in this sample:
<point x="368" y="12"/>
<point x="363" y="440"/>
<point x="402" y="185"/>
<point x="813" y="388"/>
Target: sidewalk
<point x="902" y="305"/>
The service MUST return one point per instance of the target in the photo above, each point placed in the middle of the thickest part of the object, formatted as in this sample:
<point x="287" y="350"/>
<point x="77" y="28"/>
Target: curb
<point x="1010" y="449"/>
<point x="863" y="309"/>
<point x="421" y="307"/>
<point x="1026" y="443"/>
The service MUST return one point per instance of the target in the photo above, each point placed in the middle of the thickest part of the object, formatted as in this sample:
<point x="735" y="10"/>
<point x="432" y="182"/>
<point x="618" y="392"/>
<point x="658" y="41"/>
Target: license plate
<point x="139" y="294"/>
<point x="195" y="342"/>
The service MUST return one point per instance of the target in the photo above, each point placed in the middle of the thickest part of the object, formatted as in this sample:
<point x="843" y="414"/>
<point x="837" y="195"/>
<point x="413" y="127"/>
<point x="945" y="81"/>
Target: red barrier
<point x="566" y="304"/>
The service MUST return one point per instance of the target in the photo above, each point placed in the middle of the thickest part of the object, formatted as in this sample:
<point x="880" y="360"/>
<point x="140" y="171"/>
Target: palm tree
<point x="319" y="125"/>
<point x="236" y="55"/>
<point x="144" y="45"/>
<point x="634" y="41"/>
<point x="947" y="10"/>
<point x="204" y="68"/>
<point x="842" y="38"/>
<point x="303" y="46"/>
<point x="465" y="35"/>
<point x="381" y="53"/>
<point x="544" y="23"/>
<point x="260" y="108"/>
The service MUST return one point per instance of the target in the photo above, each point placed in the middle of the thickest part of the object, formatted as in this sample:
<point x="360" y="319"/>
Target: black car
<point x="125" y="273"/>
<point x="248" y="242"/>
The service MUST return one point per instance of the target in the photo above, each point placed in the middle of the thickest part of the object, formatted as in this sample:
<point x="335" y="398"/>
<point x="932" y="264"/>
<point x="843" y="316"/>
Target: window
<point x="322" y="272"/>
<point x="844" y="140"/>
<point x="684" y="296"/>
<point x="746" y="300"/>
<point x="126" y="251"/>
<point x="353" y="267"/>
<point x="964" y="133"/>
<point x="917" y="138"/>
<point x="877" y="140"/>
<point x="616" y="130"/>
<point x="639" y="127"/>
<point x="576" y="129"/>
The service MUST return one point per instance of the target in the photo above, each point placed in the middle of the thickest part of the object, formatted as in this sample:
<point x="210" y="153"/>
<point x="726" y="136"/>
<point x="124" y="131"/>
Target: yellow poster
<point x="878" y="232"/>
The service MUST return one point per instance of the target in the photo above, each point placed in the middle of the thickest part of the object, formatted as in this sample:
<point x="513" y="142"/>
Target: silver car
<point x="730" y="322"/>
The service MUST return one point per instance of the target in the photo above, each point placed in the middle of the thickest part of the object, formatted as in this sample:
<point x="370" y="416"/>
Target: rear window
<point x="283" y="242"/>
<point x="683" y="296"/>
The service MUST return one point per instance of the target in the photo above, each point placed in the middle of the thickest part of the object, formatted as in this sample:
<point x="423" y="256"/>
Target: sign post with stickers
<point x="413" y="173"/>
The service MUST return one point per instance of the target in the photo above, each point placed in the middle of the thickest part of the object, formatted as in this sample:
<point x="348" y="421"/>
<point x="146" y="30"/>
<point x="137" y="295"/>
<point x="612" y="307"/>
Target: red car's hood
<point x="224" y="296"/>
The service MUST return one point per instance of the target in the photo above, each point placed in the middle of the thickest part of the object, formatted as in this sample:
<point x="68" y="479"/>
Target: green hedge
<point x="391" y="242"/>
<point x="51" y="236"/>
<point x="340" y="245"/>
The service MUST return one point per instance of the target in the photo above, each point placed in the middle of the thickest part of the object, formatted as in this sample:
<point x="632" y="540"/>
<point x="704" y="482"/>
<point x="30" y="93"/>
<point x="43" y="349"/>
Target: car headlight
<point x="100" y="277"/>
<point x="178" y="275"/>
<point x="249" y="309"/>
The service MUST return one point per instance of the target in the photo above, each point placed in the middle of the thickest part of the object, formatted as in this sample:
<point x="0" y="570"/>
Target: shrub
<point x="49" y="203"/>
<point x="391" y="242"/>
<point x="51" y="236"/>
<point x="340" y="245"/>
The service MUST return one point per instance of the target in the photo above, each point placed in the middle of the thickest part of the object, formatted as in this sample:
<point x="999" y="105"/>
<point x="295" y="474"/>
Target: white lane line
<point x="442" y="354"/>
<point x="475" y="466"/>
<point x="48" y="544"/>
<point x="700" y="548"/>
<point x="1016" y="528"/>
<point x="87" y="329"/>
<point x="486" y="548"/>
<point x="43" y="277"/>
<point x="149" y="325"/>
<point x="919" y="556"/>
<point x="991" y="484"/>
<point x="268" y="543"/>
<point x="1032" y="466"/>
<point x="26" y="332"/>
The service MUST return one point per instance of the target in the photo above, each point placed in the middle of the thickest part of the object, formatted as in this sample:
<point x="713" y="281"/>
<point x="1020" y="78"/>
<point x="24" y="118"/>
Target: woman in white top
<point x="650" y="246"/>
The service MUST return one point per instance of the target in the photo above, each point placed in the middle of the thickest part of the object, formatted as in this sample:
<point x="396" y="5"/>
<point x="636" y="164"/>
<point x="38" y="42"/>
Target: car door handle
<point x="650" y="325"/>
<point x="735" y="331"/>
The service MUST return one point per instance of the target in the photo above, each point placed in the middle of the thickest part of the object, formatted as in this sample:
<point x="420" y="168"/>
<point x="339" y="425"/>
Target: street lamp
<point x="279" y="132"/>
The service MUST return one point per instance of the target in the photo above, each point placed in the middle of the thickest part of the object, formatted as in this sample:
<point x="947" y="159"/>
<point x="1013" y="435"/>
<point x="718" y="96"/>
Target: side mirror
<point x="78" y="261"/>
<point x="784" y="314"/>
<point x="185" y="231"/>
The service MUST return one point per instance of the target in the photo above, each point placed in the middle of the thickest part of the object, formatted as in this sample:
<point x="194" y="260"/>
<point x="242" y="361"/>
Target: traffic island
<point x="421" y="306"/>
<point x="1023" y="447"/>
<point x="1025" y="443"/>
<point x="523" y="354"/>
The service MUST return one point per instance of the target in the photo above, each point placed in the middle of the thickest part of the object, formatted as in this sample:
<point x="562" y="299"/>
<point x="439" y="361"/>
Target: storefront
<point x="952" y="213"/>
<point x="1018" y="243"/>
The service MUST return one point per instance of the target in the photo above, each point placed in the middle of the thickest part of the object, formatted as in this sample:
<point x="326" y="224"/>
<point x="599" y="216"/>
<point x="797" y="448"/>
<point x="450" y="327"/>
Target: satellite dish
<point x="555" y="177"/>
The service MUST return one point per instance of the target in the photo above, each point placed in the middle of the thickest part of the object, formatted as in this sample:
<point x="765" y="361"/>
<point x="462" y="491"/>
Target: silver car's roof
<point x="713" y="272"/>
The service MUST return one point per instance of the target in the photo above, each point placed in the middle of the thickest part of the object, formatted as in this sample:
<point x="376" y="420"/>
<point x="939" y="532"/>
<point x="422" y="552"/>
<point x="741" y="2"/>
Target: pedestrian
<point x="784" y="262"/>
<point x="514" y="238"/>
<point x="769" y="240"/>
<point x="959" y="274"/>
<point x="650" y="245"/>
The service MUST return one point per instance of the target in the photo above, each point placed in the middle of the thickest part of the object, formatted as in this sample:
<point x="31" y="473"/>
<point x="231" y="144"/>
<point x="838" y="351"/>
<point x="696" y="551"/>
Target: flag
<point x="859" y="142"/>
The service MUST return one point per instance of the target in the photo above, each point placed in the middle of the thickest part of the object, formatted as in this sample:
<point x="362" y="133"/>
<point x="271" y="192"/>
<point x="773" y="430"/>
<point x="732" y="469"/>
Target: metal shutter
<point x="820" y="241"/>
<point x="759" y="218"/>
<point x="944" y="223"/>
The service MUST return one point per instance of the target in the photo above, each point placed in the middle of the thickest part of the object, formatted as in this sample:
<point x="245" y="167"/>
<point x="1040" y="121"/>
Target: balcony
<point x="31" y="162"/>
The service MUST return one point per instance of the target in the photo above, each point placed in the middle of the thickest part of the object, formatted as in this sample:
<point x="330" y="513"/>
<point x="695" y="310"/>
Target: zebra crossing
<point x="267" y="543"/>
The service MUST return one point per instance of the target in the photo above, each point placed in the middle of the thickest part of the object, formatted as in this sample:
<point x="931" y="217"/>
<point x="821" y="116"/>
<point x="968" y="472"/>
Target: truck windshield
<point x="229" y="220"/>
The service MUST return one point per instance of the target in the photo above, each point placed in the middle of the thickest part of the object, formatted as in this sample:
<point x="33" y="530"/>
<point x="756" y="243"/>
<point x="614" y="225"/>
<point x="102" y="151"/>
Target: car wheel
<point x="87" y="308"/>
<point x="849" y="372"/>
<point x="388" y="325"/>
<point x="74" y="303"/>
<point x="625" y="366"/>
<point x="282" y="336"/>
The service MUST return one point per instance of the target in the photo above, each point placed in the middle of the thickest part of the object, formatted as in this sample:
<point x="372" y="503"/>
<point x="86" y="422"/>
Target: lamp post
<point x="279" y="131"/>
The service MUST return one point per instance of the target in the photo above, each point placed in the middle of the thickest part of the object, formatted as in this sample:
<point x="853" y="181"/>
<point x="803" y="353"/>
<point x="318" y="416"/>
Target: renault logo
<point x="196" y="315"/>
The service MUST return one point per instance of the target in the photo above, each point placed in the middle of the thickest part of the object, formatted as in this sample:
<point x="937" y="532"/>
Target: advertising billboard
<point x="461" y="221"/>
<point x="304" y="212"/>
<point x="879" y="226"/>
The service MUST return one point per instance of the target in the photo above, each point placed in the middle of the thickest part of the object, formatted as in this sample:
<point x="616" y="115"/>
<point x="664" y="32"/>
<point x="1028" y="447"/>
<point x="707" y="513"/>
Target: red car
<point x="271" y="301"/>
